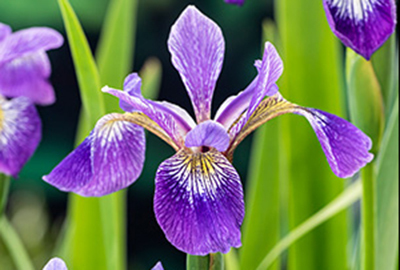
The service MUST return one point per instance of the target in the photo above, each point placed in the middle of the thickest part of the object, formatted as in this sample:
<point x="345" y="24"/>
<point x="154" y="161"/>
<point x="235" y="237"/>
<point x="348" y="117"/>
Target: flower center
<point x="204" y="149"/>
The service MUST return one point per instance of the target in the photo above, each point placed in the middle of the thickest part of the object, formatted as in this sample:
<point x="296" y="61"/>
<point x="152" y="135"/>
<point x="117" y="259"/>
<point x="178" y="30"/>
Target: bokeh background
<point x="36" y="209"/>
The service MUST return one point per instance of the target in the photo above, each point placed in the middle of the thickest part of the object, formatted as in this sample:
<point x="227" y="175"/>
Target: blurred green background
<point x="43" y="206"/>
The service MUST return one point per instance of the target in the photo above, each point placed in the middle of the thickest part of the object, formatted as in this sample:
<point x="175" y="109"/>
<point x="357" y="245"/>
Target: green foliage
<point x="213" y="261"/>
<point x="102" y="220"/>
<point x="387" y="176"/>
<point x="341" y="202"/>
<point x="312" y="77"/>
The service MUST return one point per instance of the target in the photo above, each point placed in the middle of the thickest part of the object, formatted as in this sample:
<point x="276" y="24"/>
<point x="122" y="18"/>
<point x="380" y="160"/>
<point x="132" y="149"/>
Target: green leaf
<point x="151" y="78"/>
<point x="4" y="187"/>
<point x="366" y="112"/>
<point x="387" y="175"/>
<point x="116" y="47"/>
<point x="84" y="242"/>
<point x="312" y="77"/>
<point x="384" y="63"/>
<point x="364" y="97"/>
<point x="341" y="202"/>
<point x="214" y="261"/>
<point x="85" y="66"/>
<point x="14" y="245"/>
<point x="231" y="260"/>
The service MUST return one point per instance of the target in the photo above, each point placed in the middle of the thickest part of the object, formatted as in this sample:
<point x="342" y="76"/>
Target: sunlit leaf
<point x="387" y="245"/>
<point x="312" y="78"/>
<point x="341" y="202"/>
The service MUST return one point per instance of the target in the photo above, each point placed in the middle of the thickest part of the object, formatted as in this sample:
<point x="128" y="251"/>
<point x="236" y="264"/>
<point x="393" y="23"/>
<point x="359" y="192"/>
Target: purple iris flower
<point x="198" y="198"/>
<point x="24" y="73"/>
<point x="363" y="25"/>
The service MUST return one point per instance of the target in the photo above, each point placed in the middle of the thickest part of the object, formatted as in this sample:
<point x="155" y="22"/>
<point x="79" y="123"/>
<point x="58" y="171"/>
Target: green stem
<point x="368" y="217"/>
<point x="214" y="261"/>
<point x="14" y="245"/>
<point x="4" y="187"/>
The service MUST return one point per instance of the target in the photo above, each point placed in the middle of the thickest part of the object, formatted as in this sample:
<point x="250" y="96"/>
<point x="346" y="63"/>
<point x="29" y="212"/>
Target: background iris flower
<point x="198" y="198"/>
<point x="24" y="72"/>
<point x="363" y="25"/>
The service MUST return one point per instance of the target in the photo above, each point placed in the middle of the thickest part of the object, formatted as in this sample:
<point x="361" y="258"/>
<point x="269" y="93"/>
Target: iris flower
<point x="24" y="72"/>
<point x="362" y="25"/>
<point x="198" y="199"/>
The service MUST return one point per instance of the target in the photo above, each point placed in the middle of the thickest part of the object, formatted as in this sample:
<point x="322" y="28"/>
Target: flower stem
<point x="14" y="245"/>
<point x="368" y="217"/>
<point x="4" y="186"/>
<point x="214" y="261"/>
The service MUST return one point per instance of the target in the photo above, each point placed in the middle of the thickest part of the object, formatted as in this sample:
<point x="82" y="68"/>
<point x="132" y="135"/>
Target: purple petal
<point x="74" y="171"/>
<point x="208" y="133"/>
<point x="117" y="155"/>
<point x="175" y="121"/>
<point x="20" y="134"/>
<point x="158" y="266"/>
<point x="345" y="146"/>
<point x="198" y="202"/>
<point x="5" y="31"/>
<point x="27" y="76"/>
<point x="109" y="159"/>
<point x="363" y="25"/>
<point x="235" y="2"/>
<point x="28" y="41"/>
<point x="197" y="51"/>
<point x="234" y="106"/>
<point x="55" y="264"/>
<point x="269" y="71"/>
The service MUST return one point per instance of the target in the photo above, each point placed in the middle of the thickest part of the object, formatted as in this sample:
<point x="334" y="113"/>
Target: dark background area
<point x="46" y="205"/>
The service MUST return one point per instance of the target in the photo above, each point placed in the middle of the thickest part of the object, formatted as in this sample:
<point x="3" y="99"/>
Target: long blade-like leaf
<point x="85" y="66"/>
<point x="84" y="246"/>
<point x="341" y="202"/>
<point x="387" y="164"/>
<point x="116" y="47"/>
<point x="312" y="78"/>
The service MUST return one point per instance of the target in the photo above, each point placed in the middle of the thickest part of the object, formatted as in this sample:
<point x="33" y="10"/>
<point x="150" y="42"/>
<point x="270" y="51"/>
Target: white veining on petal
<point x="354" y="9"/>
<point x="9" y="121"/>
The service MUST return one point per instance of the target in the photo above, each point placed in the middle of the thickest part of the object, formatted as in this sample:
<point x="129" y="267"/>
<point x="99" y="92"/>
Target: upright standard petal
<point x="175" y="121"/>
<point x="198" y="202"/>
<point x="27" y="76"/>
<point x="55" y="264"/>
<point x="234" y="106"/>
<point x="345" y="146"/>
<point x="363" y="25"/>
<point x="109" y="159"/>
<point x="5" y="31"/>
<point x="269" y="71"/>
<point x="208" y="133"/>
<point x="197" y="51"/>
<point x="28" y="41"/>
<point x="20" y="133"/>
